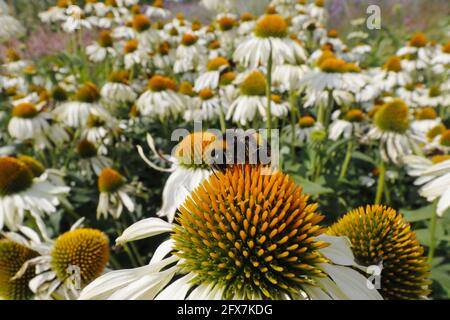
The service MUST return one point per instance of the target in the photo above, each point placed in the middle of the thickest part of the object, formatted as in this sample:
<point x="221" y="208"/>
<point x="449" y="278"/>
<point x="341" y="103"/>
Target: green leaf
<point x="421" y="214"/>
<point x="363" y="157"/>
<point x="311" y="188"/>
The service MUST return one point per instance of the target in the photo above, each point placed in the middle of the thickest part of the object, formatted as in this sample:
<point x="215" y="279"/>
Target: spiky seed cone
<point x="87" y="249"/>
<point x="380" y="235"/>
<point x="15" y="176"/>
<point x="12" y="258"/>
<point x="251" y="234"/>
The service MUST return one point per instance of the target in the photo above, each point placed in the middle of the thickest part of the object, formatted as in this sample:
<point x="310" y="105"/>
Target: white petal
<point x="144" y="229"/>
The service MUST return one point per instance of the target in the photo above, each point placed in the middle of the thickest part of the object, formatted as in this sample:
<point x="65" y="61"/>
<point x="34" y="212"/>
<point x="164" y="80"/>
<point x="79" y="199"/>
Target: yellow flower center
<point x="435" y="91"/>
<point x="393" y="117"/>
<point x="131" y="46"/>
<point x="36" y="167"/>
<point x="158" y="3"/>
<point x="227" y="78"/>
<point x="174" y="32"/>
<point x="354" y="115"/>
<point x="191" y="151"/>
<point x="186" y="89"/>
<point x="419" y="40"/>
<point x="206" y="94"/>
<point x="326" y="54"/>
<point x="134" y="112"/>
<point x="306" y="122"/>
<point x="214" y="45"/>
<point x="12" y="256"/>
<point x="164" y="48"/>
<point x="446" y="48"/>
<point x="435" y="131"/>
<point x="111" y="3"/>
<point x="276" y="98"/>
<point x="271" y="26"/>
<point x="86" y="149"/>
<point x="247" y="16"/>
<point x="226" y="23"/>
<point x="333" y="33"/>
<point x="105" y="39"/>
<point x="254" y="85"/>
<point x="440" y="158"/>
<point x="119" y="76"/>
<point x="427" y="113"/>
<point x="189" y="39"/>
<point x="12" y="55"/>
<point x="254" y="235"/>
<point x="445" y="138"/>
<point x="160" y="83"/>
<point x="15" y="176"/>
<point x="393" y="64"/>
<point x="217" y="63"/>
<point x="333" y="65"/>
<point x="141" y="23"/>
<point x="196" y="25"/>
<point x="379" y="235"/>
<point x="136" y="9"/>
<point x="87" y="249"/>
<point x="25" y="110"/>
<point x="319" y="3"/>
<point x="110" y="180"/>
<point x="88" y="93"/>
<point x="63" y="3"/>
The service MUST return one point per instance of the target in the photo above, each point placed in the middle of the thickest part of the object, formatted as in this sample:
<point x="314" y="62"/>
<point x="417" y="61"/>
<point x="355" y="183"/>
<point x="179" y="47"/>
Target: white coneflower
<point x="75" y="20"/>
<point x="99" y="130"/>
<point x="210" y="78"/>
<point x="224" y="245"/>
<point x="442" y="57"/>
<point x="134" y="55"/>
<point x="21" y="191"/>
<point x="28" y="123"/>
<point x="11" y="28"/>
<point x="189" y="54"/>
<point x="143" y="31"/>
<point x="56" y="264"/>
<point x="318" y="11"/>
<point x="114" y="196"/>
<point x="392" y="75"/>
<point x="305" y="126"/>
<point x="434" y="97"/>
<point x="416" y="52"/>
<point x="164" y="58"/>
<point x="220" y="5"/>
<point x="270" y="37"/>
<point x="288" y="77"/>
<point x="247" y="22"/>
<point x="252" y="99"/>
<point x="209" y="105"/>
<point x="117" y="89"/>
<point x="425" y="119"/>
<point x="76" y="113"/>
<point x="157" y="11"/>
<point x="102" y="49"/>
<point x="189" y="169"/>
<point x="434" y="177"/>
<point x="161" y="99"/>
<point x="391" y="128"/>
<point x="90" y="158"/>
<point x="334" y="74"/>
<point x="346" y="125"/>
<point x="56" y="13"/>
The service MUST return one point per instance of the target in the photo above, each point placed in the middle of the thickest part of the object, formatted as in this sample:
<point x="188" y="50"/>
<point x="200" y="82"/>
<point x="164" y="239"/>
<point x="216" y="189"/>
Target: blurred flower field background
<point x="98" y="202"/>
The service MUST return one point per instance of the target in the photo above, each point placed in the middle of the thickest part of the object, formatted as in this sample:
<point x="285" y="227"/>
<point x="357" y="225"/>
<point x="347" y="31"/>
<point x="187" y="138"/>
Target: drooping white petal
<point x="144" y="229"/>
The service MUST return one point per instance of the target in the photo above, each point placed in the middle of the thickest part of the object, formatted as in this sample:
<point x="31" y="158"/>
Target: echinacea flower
<point x="12" y="256"/>
<point x="161" y="99"/>
<point x="91" y="159"/>
<point x="114" y="196"/>
<point x="76" y="20"/>
<point x="346" y="124"/>
<point x="21" y="191"/>
<point x="240" y="235"/>
<point x="270" y="38"/>
<point x="211" y="77"/>
<point x="59" y="268"/>
<point x="76" y="113"/>
<point x="434" y="178"/>
<point x="391" y="128"/>
<point x="102" y="49"/>
<point x="304" y="127"/>
<point x="252" y="99"/>
<point x="117" y="89"/>
<point x="189" y="169"/>
<point x="381" y="237"/>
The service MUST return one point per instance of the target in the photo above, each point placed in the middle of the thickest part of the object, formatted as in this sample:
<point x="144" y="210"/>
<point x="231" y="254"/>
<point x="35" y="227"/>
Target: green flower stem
<point x="432" y="230"/>
<point x="381" y="180"/>
<point x="347" y="159"/>
<point x="269" y="95"/>
<point x="293" y="102"/>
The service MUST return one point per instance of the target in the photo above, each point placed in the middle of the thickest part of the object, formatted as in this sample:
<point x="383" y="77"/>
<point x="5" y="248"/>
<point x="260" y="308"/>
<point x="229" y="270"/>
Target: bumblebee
<point x="238" y="147"/>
